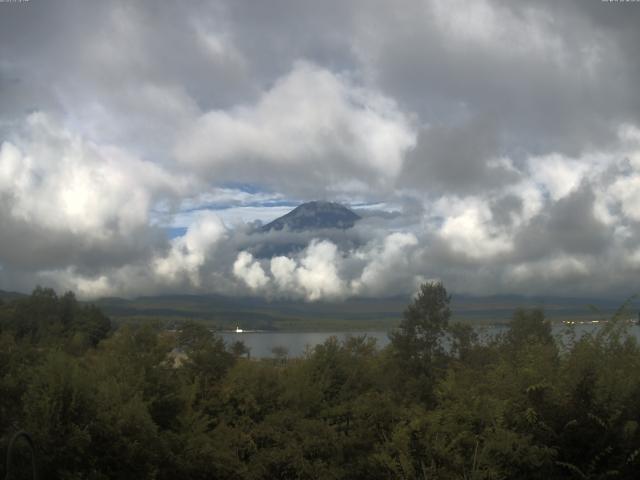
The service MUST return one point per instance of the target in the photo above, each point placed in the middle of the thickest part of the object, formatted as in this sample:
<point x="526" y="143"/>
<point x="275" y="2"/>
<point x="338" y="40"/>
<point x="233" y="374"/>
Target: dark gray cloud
<point x="552" y="77"/>
<point x="567" y="226"/>
<point x="457" y="159"/>
<point x="506" y="208"/>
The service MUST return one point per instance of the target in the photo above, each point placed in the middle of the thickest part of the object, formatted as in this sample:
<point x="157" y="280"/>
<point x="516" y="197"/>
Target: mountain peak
<point x="314" y="215"/>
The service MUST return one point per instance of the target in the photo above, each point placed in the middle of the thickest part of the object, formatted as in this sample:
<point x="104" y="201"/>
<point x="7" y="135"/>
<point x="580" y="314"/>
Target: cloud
<point x="462" y="159"/>
<point x="65" y="199"/>
<point x="60" y="181"/>
<point x="496" y="146"/>
<point x="283" y="270"/>
<point x="469" y="230"/>
<point x="318" y="271"/>
<point x="189" y="252"/>
<point x="557" y="175"/>
<point x="388" y="266"/>
<point x="537" y="72"/>
<point x="250" y="271"/>
<point x="322" y="271"/>
<point x="563" y="268"/>
<point x="315" y="142"/>
<point x="626" y="192"/>
<point x="314" y="276"/>
<point x="568" y="225"/>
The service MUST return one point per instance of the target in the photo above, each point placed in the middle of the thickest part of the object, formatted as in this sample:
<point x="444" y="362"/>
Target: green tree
<point x="240" y="349"/>
<point x="464" y="340"/>
<point x="92" y="324"/>
<point x="417" y="344"/>
<point x="529" y="327"/>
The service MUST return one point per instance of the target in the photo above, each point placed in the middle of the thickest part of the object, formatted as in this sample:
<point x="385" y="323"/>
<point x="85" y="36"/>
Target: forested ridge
<point x="118" y="403"/>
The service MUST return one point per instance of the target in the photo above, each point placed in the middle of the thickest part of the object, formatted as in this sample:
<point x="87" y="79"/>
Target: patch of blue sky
<point x="231" y="216"/>
<point x="174" y="232"/>
<point x="373" y="206"/>
<point x="222" y="197"/>
<point x="278" y="203"/>
<point x="252" y="188"/>
<point x="218" y="206"/>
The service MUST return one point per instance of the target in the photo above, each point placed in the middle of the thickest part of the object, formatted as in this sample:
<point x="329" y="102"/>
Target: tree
<point x="92" y="324"/>
<point x="68" y="309"/>
<point x="464" y="340"/>
<point x="207" y="356"/>
<point x="240" y="349"/>
<point x="417" y="343"/>
<point x="280" y="353"/>
<point x="529" y="327"/>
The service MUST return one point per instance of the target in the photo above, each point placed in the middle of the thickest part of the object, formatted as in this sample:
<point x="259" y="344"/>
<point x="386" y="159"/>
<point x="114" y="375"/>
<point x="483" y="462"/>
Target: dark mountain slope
<point x="313" y="216"/>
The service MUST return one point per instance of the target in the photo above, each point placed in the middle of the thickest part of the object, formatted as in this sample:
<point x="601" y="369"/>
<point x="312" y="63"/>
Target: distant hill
<point x="313" y="216"/>
<point x="11" y="295"/>
<point x="352" y="314"/>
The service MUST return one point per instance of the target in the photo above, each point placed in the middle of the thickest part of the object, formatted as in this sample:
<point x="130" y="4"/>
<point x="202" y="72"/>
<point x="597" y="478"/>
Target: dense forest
<point x="141" y="402"/>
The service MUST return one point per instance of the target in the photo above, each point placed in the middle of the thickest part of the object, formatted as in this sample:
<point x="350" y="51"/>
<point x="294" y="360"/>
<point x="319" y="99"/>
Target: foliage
<point x="417" y="345"/>
<point x="142" y="402"/>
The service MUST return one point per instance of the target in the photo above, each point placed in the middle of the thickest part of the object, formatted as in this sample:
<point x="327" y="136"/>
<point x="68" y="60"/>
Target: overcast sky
<point x="493" y="145"/>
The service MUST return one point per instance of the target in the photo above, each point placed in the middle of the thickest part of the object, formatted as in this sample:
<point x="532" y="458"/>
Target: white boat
<point x="238" y="329"/>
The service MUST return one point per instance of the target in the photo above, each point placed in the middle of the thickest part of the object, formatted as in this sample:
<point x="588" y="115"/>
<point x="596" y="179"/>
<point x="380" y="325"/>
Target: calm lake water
<point x="261" y="344"/>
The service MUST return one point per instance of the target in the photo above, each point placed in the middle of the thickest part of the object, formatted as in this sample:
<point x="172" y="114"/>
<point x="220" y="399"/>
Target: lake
<point x="261" y="343"/>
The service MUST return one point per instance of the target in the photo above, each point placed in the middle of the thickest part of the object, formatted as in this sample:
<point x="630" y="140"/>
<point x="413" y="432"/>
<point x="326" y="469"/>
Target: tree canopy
<point x="141" y="402"/>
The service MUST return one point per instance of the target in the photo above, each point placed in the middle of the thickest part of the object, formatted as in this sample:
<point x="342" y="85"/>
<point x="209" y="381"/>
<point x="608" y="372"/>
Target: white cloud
<point x="532" y="200"/>
<point x="250" y="271"/>
<point x="469" y="231"/>
<point x="190" y="252"/>
<point x="487" y="25"/>
<point x="554" y="269"/>
<point x="283" y="270"/>
<point x="318" y="271"/>
<point x="312" y="126"/>
<point x="60" y="181"/>
<point x="388" y="267"/>
<point x="313" y="276"/>
<point x="557" y="174"/>
<point x="626" y="191"/>
<point x="321" y="271"/>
